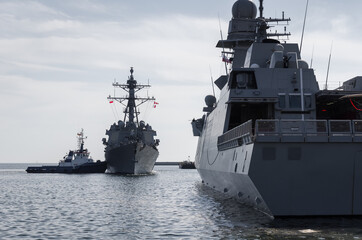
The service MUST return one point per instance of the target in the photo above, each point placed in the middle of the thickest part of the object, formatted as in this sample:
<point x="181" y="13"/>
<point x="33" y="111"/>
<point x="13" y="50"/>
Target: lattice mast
<point x="131" y="87"/>
<point x="263" y="25"/>
<point x="80" y="137"/>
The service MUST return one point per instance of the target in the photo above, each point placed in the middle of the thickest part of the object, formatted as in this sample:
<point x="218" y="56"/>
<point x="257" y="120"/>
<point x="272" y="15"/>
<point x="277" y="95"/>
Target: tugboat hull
<point x="134" y="158"/>
<point x="97" y="167"/>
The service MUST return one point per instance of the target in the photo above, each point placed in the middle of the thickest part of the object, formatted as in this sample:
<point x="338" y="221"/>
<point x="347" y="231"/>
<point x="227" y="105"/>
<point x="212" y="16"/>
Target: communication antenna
<point x="223" y="47"/>
<point x="329" y="64"/>
<point x="305" y="17"/>
<point x="212" y="82"/>
<point x="311" y="59"/>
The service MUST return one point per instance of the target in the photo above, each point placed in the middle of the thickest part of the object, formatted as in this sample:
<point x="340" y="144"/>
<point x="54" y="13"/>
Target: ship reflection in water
<point x="236" y="220"/>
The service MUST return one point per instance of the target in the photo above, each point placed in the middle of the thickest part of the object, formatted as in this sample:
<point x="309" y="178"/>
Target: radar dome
<point x="244" y="9"/>
<point x="278" y="48"/>
<point x="210" y="100"/>
<point x="121" y="123"/>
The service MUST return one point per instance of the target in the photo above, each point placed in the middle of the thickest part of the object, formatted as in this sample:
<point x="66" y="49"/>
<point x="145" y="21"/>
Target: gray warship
<point x="274" y="140"/>
<point x="131" y="147"/>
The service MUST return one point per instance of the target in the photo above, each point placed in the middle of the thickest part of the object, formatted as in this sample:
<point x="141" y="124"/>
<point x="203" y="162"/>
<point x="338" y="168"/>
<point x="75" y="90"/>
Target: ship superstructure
<point x="273" y="139"/>
<point x="131" y="147"/>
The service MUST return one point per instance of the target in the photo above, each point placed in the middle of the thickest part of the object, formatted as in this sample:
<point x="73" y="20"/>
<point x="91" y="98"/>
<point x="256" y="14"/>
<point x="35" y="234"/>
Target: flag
<point x="225" y="59"/>
<point x="110" y="101"/>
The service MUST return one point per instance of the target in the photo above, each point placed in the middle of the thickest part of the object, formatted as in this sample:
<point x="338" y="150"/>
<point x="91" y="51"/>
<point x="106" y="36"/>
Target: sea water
<point x="171" y="203"/>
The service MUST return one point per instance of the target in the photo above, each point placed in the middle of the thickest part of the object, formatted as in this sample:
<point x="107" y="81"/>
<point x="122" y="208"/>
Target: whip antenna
<point x="329" y="64"/>
<point x="311" y="59"/>
<point x="212" y="82"/>
<point x="305" y="17"/>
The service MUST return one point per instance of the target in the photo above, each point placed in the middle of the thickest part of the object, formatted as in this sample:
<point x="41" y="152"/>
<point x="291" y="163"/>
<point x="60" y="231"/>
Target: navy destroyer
<point x="131" y="147"/>
<point x="76" y="161"/>
<point x="274" y="140"/>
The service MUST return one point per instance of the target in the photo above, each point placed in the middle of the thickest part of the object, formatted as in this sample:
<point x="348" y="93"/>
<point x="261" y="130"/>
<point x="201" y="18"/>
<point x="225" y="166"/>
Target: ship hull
<point x="97" y="167"/>
<point x="289" y="179"/>
<point x="134" y="158"/>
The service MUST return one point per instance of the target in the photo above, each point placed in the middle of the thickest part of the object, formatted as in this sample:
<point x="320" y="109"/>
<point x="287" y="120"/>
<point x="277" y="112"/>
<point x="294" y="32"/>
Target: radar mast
<point x="131" y="87"/>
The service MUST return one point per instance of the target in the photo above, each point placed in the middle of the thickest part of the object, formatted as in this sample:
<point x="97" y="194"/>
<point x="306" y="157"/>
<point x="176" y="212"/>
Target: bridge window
<point x="308" y="100"/>
<point x="243" y="112"/>
<point x="294" y="101"/>
<point x="244" y="80"/>
<point x="282" y="100"/>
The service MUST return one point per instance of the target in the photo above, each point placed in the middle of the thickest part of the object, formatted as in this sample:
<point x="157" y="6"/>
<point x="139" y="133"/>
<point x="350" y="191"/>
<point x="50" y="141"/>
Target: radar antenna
<point x="223" y="47"/>
<point x="131" y="107"/>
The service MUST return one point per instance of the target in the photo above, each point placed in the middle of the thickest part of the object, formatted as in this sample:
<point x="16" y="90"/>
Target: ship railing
<point x="357" y="130"/>
<point x="235" y="137"/>
<point x="308" y="130"/>
<point x="340" y="131"/>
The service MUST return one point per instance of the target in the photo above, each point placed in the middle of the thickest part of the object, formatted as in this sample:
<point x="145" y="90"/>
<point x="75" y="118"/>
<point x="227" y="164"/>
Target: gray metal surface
<point x="273" y="139"/>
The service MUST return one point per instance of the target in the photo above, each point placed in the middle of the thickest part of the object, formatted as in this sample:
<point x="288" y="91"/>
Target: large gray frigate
<point x="274" y="140"/>
<point x="131" y="147"/>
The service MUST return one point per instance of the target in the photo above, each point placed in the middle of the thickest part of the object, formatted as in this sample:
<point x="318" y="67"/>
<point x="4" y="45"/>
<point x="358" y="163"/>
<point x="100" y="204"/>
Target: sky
<point x="58" y="60"/>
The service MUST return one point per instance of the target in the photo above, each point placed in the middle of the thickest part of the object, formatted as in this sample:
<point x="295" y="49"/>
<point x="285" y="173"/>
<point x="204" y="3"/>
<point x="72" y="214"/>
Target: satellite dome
<point x="244" y="9"/>
<point x="121" y="123"/>
<point x="210" y="100"/>
<point x="278" y="48"/>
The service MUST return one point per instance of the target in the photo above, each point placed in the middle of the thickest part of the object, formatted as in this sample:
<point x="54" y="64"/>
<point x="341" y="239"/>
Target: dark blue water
<point x="169" y="204"/>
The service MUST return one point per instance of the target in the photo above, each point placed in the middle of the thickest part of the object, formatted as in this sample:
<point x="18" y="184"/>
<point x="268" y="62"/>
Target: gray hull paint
<point x="314" y="184"/>
<point x="146" y="157"/>
<point x="237" y="185"/>
<point x="285" y="185"/>
<point x="274" y="139"/>
<point x="133" y="158"/>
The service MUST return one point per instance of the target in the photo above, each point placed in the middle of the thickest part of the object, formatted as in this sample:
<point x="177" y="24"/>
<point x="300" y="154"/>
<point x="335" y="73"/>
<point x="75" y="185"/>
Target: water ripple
<point x="169" y="204"/>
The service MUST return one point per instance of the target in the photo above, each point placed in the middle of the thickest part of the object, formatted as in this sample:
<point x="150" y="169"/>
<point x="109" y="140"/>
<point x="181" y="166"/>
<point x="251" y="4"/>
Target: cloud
<point x="59" y="58"/>
<point x="57" y="72"/>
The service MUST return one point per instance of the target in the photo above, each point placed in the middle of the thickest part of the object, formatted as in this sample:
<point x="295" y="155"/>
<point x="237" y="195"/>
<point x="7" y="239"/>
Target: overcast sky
<point x="59" y="58"/>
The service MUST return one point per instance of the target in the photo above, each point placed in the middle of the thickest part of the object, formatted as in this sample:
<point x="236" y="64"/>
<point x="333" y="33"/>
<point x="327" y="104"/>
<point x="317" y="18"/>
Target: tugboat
<point x="274" y="140"/>
<point x="78" y="161"/>
<point x="187" y="164"/>
<point x="131" y="147"/>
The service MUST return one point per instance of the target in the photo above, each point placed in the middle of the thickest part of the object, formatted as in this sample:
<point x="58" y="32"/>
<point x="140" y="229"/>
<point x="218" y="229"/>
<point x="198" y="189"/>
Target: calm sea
<point x="169" y="204"/>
